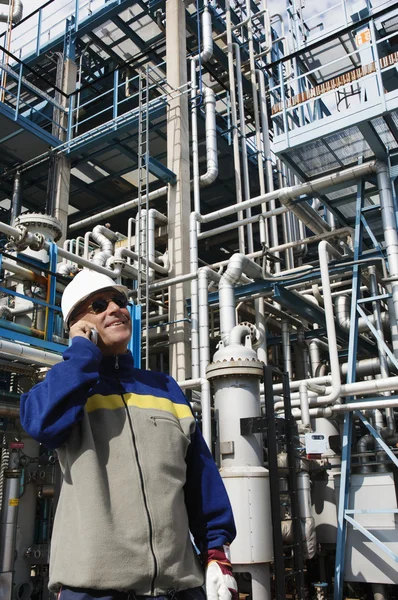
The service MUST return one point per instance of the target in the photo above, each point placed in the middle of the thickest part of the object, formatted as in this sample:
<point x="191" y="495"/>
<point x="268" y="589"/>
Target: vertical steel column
<point x="279" y="565"/>
<point x="348" y="419"/>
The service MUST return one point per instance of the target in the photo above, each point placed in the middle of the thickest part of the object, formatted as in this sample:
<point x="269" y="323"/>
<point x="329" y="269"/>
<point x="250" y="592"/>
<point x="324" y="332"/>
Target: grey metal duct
<point x="16" y="13"/>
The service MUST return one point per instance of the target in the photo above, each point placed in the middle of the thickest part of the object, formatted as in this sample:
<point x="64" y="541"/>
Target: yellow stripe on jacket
<point x="113" y="401"/>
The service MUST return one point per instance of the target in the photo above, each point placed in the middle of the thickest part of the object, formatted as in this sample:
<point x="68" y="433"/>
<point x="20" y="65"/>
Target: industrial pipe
<point x="16" y="13"/>
<point x="16" y="202"/>
<point x="237" y="265"/>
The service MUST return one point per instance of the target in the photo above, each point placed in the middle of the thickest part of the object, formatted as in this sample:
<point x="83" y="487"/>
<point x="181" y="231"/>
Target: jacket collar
<point x="117" y="365"/>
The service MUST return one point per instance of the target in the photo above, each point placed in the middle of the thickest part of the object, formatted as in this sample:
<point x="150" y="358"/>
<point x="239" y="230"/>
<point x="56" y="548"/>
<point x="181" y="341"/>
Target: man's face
<point x="113" y="324"/>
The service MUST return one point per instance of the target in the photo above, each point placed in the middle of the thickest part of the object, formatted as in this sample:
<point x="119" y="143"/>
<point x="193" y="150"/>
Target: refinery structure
<point x="235" y="166"/>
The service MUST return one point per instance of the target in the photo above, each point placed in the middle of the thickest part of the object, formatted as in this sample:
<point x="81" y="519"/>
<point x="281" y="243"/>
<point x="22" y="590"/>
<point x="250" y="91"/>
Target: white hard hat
<point x="82" y="286"/>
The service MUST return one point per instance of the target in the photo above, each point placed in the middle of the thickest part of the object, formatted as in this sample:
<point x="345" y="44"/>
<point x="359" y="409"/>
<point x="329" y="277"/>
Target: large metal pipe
<point x="5" y="11"/>
<point x="9" y="514"/>
<point x="237" y="265"/>
<point x="342" y="312"/>
<point x="16" y="202"/>
<point x="391" y="240"/>
<point x="29" y="354"/>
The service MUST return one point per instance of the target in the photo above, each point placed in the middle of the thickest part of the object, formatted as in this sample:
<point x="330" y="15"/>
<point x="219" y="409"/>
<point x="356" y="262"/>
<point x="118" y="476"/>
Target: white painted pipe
<point x="116" y="210"/>
<point x="234" y="123"/>
<point x="124" y="252"/>
<point x="391" y="241"/>
<point x="237" y="265"/>
<point x="211" y="139"/>
<point x="243" y="142"/>
<point x="105" y="238"/>
<point x="207" y="36"/>
<point x="286" y="195"/>
<point x="324" y="249"/>
<point x="205" y="275"/>
<point x="30" y="354"/>
<point x="342" y="312"/>
<point x="205" y="401"/>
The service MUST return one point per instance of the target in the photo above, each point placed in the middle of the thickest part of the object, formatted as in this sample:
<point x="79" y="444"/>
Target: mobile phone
<point x="94" y="336"/>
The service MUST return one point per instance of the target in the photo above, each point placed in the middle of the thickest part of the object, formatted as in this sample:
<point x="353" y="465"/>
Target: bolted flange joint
<point x="25" y="239"/>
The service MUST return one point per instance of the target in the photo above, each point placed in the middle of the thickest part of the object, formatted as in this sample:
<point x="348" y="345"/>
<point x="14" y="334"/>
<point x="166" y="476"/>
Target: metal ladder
<point x="345" y="513"/>
<point x="143" y="190"/>
<point x="283" y="433"/>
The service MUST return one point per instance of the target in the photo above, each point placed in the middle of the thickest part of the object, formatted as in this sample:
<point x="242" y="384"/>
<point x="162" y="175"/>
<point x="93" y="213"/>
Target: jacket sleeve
<point x="211" y="520"/>
<point x="51" y="408"/>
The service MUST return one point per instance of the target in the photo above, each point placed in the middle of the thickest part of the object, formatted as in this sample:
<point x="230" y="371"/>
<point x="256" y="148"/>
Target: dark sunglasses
<point x="99" y="305"/>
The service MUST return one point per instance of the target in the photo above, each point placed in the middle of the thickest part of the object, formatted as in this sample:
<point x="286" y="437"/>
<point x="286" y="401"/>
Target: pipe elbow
<point x="207" y="51"/>
<point x="209" y="177"/>
<point x="236" y="334"/>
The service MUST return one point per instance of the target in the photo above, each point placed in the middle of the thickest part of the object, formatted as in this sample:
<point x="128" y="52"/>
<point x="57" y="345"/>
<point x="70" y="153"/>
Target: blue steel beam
<point x="371" y="537"/>
<point x="293" y="301"/>
<point x="378" y="437"/>
<point x="31" y="341"/>
<point x="29" y="125"/>
<point x="112" y="8"/>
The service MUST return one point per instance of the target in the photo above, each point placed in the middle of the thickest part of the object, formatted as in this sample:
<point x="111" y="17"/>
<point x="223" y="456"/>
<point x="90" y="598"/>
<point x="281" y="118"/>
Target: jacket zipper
<point x="155" y="562"/>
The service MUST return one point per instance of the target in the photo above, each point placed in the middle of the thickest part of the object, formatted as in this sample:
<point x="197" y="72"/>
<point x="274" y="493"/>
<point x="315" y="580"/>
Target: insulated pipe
<point x="237" y="265"/>
<point x="286" y="196"/>
<point x="121" y="252"/>
<point x="211" y="139"/>
<point x="16" y="201"/>
<point x="116" y="210"/>
<point x="16" y="13"/>
<point x="308" y="188"/>
<point x="205" y="274"/>
<point x="287" y="350"/>
<point x="195" y="142"/>
<point x="305" y="514"/>
<point x="83" y="262"/>
<point x="194" y="263"/>
<point x="324" y="248"/>
<point x="234" y="123"/>
<point x="391" y="240"/>
<point x="342" y="312"/>
<point x="365" y="444"/>
<point x="30" y="354"/>
<point x="257" y="124"/>
<point x="207" y="35"/>
<point x="21" y="272"/>
<point x="105" y="238"/>
<point x="384" y="370"/>
<point x="9" y="514"/>
<point x="154" y="216"/>
<point x="205" y="401"/>
<point x="304" y="406"/>
<point x="268" y="162"/>
<point x="243" y="142"/>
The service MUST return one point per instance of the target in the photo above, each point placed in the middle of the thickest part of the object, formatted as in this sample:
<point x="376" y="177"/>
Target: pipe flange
<point x="37" y="242"/>
<point x="44" y="224"/>
<point x="20" y="242"/>
<point x="252" y="368"/>
<point x="256" y="335"/>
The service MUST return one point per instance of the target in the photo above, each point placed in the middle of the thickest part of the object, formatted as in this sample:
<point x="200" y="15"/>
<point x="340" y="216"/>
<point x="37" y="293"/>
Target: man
<point x="137" y="475"/>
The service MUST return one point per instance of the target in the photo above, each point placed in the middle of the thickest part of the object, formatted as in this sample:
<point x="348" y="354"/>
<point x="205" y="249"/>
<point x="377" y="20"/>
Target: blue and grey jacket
<point x="137" y="476"/>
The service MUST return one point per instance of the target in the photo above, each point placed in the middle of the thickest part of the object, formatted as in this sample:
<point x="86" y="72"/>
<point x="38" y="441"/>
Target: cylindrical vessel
<point x="8" y="521"/>
<point x="235" y="374"/>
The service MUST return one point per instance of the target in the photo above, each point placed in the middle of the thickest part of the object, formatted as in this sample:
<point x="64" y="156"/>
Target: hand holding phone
<point x="84" y="329"/>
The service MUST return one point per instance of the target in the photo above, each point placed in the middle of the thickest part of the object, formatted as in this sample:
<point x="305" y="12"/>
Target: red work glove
<point x="219" y="580"/>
